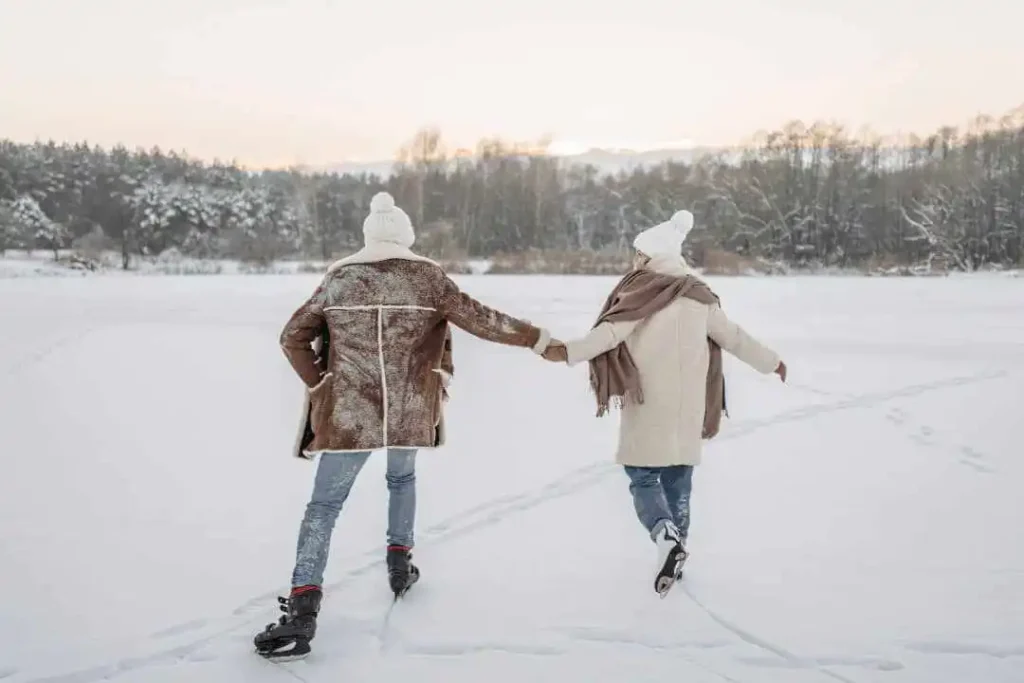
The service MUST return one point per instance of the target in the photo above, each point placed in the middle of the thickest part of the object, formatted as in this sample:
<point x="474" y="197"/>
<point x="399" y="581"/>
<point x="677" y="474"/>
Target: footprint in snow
<point x="975" y="460"/>
<point x="971" y="453"/>
<point x="923" y="435"/>
<point x="896" y="416"/>
<point x="977" y="467"/>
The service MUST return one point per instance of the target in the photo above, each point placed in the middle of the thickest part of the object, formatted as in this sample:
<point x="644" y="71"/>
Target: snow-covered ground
<point x="861" y="524"/>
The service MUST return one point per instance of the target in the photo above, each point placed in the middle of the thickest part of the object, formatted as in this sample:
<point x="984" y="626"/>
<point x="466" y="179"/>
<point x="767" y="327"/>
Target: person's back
<point x="387" y="339"/>
<point x="672" y="328"/>
<point x="376" y="382"/>
<point x="387" y="322"/>
<point x="670" y="349"/>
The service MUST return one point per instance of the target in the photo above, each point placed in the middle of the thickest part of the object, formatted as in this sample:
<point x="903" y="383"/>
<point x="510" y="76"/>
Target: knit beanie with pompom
<point x="387" y="223"/>
<point x="665" y="239"/>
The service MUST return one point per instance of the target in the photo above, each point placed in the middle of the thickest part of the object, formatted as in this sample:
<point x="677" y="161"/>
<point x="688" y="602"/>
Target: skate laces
<point x="283" y="604"/>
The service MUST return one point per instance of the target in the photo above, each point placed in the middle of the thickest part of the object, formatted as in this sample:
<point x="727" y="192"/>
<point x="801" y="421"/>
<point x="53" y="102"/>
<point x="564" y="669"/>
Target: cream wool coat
<point x="671" y="351"/>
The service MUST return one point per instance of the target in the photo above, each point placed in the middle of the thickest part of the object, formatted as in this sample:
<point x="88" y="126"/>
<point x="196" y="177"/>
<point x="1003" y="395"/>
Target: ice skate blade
<point x="284" y="650"/>
<point x="284" y="658"/>
<point x="671" y="573"/>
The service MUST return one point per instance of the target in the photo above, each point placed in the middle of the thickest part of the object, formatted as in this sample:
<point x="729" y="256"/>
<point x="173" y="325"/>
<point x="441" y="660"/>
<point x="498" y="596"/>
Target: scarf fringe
<point x="620" y="401"/>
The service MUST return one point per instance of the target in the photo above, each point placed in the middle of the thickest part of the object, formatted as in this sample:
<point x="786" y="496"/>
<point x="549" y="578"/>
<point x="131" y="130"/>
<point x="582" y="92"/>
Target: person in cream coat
<point x="653" y="354"/>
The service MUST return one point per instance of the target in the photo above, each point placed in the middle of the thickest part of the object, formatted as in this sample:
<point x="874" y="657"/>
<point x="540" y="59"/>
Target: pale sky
<point x="322" y="81"/>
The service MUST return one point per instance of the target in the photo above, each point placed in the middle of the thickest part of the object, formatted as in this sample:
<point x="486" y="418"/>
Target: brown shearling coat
<point x="383" y="331"/>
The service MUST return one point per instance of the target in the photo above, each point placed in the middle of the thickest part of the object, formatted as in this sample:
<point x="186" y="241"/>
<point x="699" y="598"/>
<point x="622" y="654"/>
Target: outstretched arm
<point x="602" y="338"/>
<point x="301" y="330"/>
<point x="487" y="323"/>
<point x="739" y="343"/>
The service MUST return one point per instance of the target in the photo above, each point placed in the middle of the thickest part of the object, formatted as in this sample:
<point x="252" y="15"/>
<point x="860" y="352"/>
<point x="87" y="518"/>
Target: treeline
<point x="804" y="196"/>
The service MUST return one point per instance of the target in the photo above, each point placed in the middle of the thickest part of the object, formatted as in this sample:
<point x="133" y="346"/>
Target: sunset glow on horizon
<point x="317" y="82"/>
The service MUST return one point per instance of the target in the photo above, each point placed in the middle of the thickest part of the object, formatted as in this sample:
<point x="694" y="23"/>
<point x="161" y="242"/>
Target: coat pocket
<point x="318" y="396"/>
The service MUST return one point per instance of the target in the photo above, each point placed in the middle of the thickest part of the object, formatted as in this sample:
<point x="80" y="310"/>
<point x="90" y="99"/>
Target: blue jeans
<point x="662" y="495"/>
<point x="334" y="478"/>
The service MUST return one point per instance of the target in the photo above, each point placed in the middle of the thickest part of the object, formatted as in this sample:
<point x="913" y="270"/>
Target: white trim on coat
<point x="543" y="341"/>
<point x="376" y="252"/>
<point x="383" y="371"/>
<point x="313" y="454"/>
<point x="379" y="308"/>
<point x="303" y="419"/>
<point x="374" y="307"/>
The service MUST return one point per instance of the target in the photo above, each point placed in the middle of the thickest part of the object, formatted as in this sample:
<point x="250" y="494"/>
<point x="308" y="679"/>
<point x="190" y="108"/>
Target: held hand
<point x="556" y="352"/>
<point x="781" y="371"/>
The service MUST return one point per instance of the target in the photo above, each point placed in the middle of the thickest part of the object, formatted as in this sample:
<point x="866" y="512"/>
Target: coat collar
<point x="379" y="251"/>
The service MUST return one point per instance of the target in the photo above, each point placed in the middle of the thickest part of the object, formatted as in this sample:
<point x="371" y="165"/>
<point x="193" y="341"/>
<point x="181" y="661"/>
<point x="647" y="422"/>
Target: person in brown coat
<point x="373" y="346"/>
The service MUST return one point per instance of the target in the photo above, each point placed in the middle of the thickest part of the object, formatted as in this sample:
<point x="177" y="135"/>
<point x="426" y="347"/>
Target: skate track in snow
<point x="193" y="636"/>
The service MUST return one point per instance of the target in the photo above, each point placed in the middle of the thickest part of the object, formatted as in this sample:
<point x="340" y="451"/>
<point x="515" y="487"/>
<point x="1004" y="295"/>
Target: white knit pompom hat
<point x="665" y="239"/>
<point x="387" y="223"/>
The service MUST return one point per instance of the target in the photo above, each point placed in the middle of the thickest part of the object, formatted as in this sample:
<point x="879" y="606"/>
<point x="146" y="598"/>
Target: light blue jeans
<point x="661" y="495"/>
<point x="335" y="476"/>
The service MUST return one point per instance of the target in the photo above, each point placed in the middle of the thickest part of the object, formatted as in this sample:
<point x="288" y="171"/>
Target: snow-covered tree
<point x="153" y="206"/>
<point x="263" y="223"/>
<point x="34" y="226"/>
<point x="809" y="193"/>
<point x="53" y="236"/>
<point x="199" y="210"/>
<point x="8" y="228"/>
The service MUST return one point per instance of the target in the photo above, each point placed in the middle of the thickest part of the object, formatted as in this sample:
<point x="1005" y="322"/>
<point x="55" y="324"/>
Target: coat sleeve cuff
<point x="542" y="342"/>
<point x="770" y="363"/>
<point x="573" y="353"/>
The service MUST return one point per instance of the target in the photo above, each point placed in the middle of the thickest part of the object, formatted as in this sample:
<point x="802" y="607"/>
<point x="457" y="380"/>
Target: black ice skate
<point x="402" y="573"/>
<point x="288" y="639"/>
<point x="671" y="556"/>
<point x="679" y="567"/>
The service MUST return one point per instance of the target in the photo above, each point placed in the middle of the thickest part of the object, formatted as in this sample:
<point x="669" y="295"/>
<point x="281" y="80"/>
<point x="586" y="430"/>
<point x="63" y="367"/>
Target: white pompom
<point x="382" y="201"/>
<point x="682" y="221"/>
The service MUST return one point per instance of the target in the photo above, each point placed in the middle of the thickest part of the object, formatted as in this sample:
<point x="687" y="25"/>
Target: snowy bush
<point x="456" y="267"/>
<point x="94" y="244"/>
<point x="307" y="267"/>
<point x="170" y="256"/>
<point x="720" y="262"/>
<point x="269" y="268"/>
<point x="560" y="262"/>
<point x="183" y="266"/>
